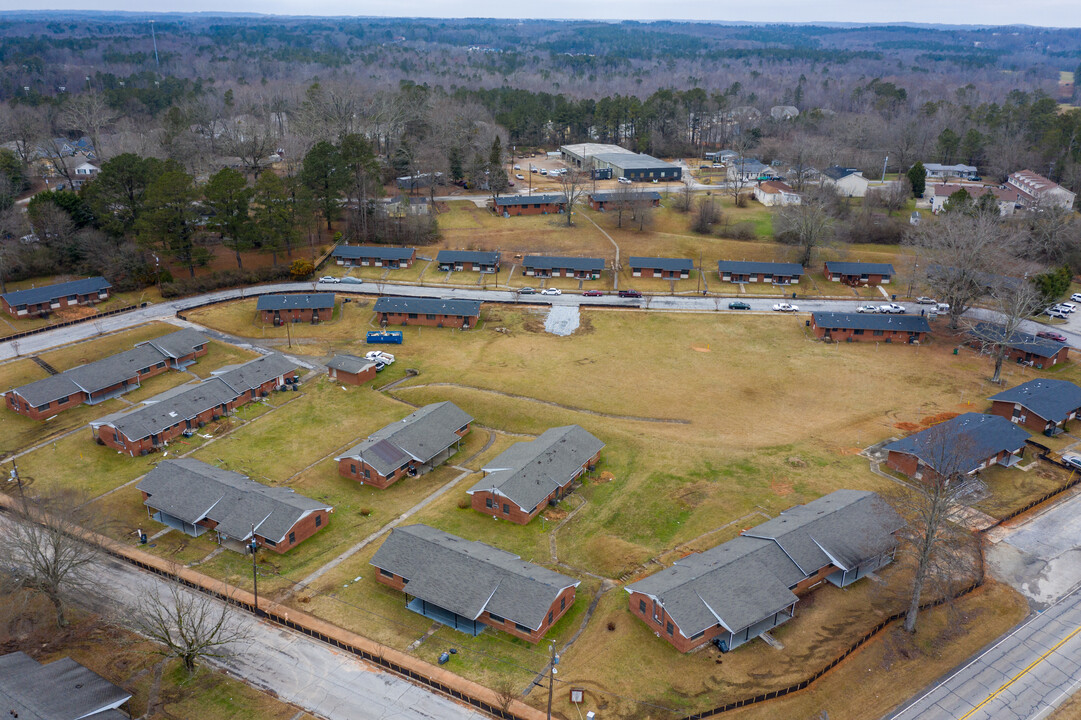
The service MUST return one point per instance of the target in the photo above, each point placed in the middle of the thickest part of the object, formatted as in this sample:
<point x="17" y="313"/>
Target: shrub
<point x="222" y="279"/>
<point x="365" y="511"/>
<point x="742" y="231"/>
<point x="301" y="269"/>
<point x="463" y="504"/>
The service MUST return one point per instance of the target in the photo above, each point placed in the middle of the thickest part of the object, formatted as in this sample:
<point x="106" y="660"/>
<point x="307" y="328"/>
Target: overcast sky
<point x="1053" y="13"/>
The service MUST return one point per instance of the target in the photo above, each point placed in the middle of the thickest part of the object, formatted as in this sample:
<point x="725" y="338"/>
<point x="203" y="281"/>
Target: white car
<point x="891" y="308"/>
<point x="379" y="357"/>
<point x="623" y="180"/>
<point x="329" y="279"/>
<point x="1068" y="307"/>
<point x="1054" y="312"/>
<point x="1076" y="297"/>
<point x="517" y="167"/>
<point x="866" y="309"/>
<point x="786" y="307"/>
<point x="519" y="176"/>
<point x="551" y="291"/>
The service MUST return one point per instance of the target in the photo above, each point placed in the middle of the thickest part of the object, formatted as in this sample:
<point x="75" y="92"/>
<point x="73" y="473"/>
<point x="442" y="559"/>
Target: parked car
<point x="379" y="356"/>
<point x="520" y="176"/>
<point x="551" y="291"/>
<point x="867" y="309"/>
<point x="1047" y="334"/>
<point x="379" y="366"/>
<point x="738" y="305"/>
<point x="1054" y="312"/>
<point x="543" y="172"/>
<point x="527" y="291"/>
<point x="593" y="293"/>
<point x="630" y="294"/>
<point x="1068" y="307"/>
<point x="329" y="279"/>
<point x="924" y="300"/>
<point x="942" y="307"/>
<point x="786" y="307"/>
<point x="532" y="169"/>
<point x="891" y="308"/>
<point x="623" y="180"/>
<point x="1076" y="297"/>
<point x="356" y="281"/>
<point x="1074" y="460"/>
<point x="517" y="167"/>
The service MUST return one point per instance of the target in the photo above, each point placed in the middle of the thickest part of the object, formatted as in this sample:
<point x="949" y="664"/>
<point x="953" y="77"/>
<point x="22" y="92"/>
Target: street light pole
<point x="254" y="570"/>
<point x="551" y="676"/>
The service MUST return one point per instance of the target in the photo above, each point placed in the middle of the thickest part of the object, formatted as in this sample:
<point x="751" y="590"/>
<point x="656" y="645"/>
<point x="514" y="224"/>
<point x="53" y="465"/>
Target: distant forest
<point x="181" y="98"/>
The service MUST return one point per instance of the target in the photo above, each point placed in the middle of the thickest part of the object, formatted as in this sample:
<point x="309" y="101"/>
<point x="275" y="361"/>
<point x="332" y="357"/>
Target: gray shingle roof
<point x="844" y="527"/>
<point x="836" y="172"/>
<point x="540" y="199"/>
<point x="377" y="252"/>
<point x="428" y="306"/>
<point x="61" y="690"/>
<point x="309" y="301"/>
<point x="861" y="321"/>
<point x="859" y="268"/>
<point x="254" y="373"/>
<point x="553" y="262"/>
<point x="156" y="416"/>
<point x="349" y="363"/>
<point x="470" y="577"/>
<point x="194" y="491"/>
<point x="528" y="472"/>
<point x="753" y="267"/>
<point x="630" y="195"/>
<point x="659" y="263"/>
<point x="962" y="442"/>
<point x="92" y="377"/>
<point x="1052" y="400"/>
<point x="1023" y="341"/>
<point x="35" y="296"/>
<point x="420" y="436"/>
<point x="179" y="343"/>
<point x="748" y="579"/>
<point x="467" y="256"/>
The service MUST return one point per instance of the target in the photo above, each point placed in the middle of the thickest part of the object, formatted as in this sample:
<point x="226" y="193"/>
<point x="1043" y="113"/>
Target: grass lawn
<point x="77" y="462"/>
<point x="219" y="354"/>
<point x="18" y="432"/>
<point x="1012" y="489"/>
<point x="239" y="318"/>
<point x="97" y="348"/>
<point x="464" y="226"/>
<point x="15" y="373"/>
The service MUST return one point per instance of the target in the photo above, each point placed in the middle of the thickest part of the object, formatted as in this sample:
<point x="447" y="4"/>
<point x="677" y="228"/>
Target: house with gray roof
<point x="536" y="204"/>
<point x="1041" y="405"/>
<point x="350" y="369"/>
<point x="859" y="273"/>
<point x="186" y="409"/>
<point x="180" y="347"/>
<point x="849" y="182"/>
<point x="374" y="256"/>
<point x="469" y="585"/>
<point x="734" y="592"/>
<point x="1021" y="347"/>
<point x="468" y="260"/>
<point x="44" y="300"/>
<point x="432" y="312"/>
<point x="194" y="497"/>
<point x="959" y="447"/>
<point x="61" y="690"/>
<point x="752" y="271"/>
<point x="525" y="477"/>
<point x="671" y="268"/>
<point x="544" y="266"/>
<point x="603" y="199"/>
<point x="857" y="327"/>
<point x="411" y="446"/>
<point x="295" y="307"/>
<point x="103" y="379"/>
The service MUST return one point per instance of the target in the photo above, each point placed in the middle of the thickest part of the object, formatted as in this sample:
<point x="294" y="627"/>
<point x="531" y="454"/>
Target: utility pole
<point x="884" y="168"/>
<point x="551" y="676"/>
<point x="154" y="37"/>
<point x="254" y="570"/>
<point x="15" y="476"/>
<point x="288" y="334"/>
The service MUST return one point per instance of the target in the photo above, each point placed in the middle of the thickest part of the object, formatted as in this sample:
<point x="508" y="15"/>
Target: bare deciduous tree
<point x="49" y="549"/>
<point x="1014" y="301"/>
<point x="89" y="113"/>
<point x="941" y="548"/>
<point x="807" y="225"/>
<point x="573" y="185"/>
<point x="190" y="625"/>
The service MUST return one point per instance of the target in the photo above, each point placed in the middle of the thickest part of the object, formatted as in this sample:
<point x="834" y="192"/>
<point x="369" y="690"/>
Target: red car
<point x="593" y="293"/>
<point x="1051" y="336"/>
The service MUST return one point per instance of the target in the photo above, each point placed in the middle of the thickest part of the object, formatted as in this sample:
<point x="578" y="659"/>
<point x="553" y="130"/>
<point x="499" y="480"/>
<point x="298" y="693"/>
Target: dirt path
<point x="615" y="267"/>
<point x="585" y="411"/>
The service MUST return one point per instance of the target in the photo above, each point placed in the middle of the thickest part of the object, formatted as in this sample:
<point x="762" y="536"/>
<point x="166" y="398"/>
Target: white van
<point x="624" y="180"/>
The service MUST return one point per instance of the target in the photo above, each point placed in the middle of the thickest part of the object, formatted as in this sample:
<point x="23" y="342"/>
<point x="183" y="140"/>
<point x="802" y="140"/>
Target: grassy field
<point x="737" y="419"/>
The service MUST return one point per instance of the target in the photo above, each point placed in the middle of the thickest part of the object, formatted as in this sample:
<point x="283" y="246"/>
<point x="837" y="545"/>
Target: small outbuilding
<point x="350" y="369"/>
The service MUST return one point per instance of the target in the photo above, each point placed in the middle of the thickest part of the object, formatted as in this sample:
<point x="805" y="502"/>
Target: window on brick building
<point x="642" y="606"/>
<point x="495" y="618"/>
<point x="488" y="503"/>
<point x="292" y="538"/>
<point x="506" y="509"/>
<point x="562" y="603"/>
<point x="549" y="617"/>
<point x="669" y="628"/>
<point x="318" y="520"/>
<point x="384" y="573"/>
<point x="523" y="628"/>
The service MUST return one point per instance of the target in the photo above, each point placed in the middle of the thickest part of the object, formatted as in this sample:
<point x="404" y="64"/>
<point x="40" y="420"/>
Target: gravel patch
<point x="562" y="320"/>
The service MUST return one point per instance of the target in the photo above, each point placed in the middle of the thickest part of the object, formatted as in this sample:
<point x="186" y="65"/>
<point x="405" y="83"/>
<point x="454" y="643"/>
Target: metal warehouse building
<point x="620" y="161"/>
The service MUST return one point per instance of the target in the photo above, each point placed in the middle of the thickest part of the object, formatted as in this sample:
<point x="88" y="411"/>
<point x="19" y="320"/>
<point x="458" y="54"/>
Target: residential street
<point x="695" y="303"/>
<point x="1025" y="675"/>
<point x="302" y="671"/>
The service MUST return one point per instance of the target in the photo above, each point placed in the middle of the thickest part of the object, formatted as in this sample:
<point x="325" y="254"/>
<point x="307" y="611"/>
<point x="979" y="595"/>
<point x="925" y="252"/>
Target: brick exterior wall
<point x="345" y="469"/>
<point x="428" y="320"/>
<point x="559" y="272"/>
<point x="1033" y="422"/>
<point x="558" y="608"/>
<point x="806" y="585"/>
<point x="759" y="278"/>
<point x="302" y="530"/>
<point x="1014" y="355"/>
<point x="909" y="464"/>
<point x="872" y="279"/>
<point x="517" y="515"/>
<point x="468" y="267"/>
<point x="660" y="626"/>
<point x="515" y="210"/>
<point x="21" y="406"/>
<point x="297" y="315"/>
<point x="651" y="272"/>
<point x="846" y="334"/>
<point x="46" y="307"/>
<point x="352" y="378"/>
<point x="375" y="262"/>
